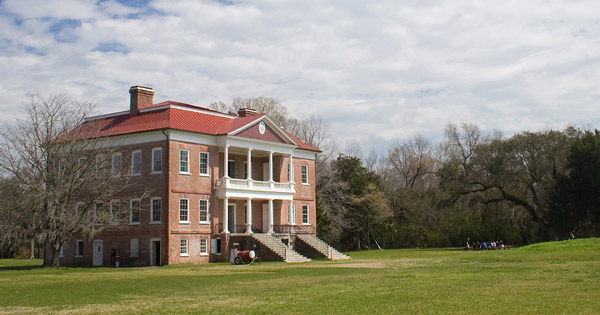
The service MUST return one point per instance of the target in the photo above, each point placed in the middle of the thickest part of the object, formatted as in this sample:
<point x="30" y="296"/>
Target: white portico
<point x="247" y="183"/>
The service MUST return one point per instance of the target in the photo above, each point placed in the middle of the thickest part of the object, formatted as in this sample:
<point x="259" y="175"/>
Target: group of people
<point x="484" y="245"/>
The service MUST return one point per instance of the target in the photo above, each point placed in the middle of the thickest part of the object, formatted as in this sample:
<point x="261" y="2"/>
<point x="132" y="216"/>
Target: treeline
<point x="530" y="187"/>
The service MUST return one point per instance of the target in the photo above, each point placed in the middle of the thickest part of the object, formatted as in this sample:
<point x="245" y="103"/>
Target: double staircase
<point x="278" y="247"/>
<point x="322" y="247"/>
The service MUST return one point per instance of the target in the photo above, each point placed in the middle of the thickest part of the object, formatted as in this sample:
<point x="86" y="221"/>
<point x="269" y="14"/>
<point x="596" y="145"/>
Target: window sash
<point x="204" y="163"/>
<point x="183" y="247"/>
<point x="116" y="164"/>
<point x="79" y="248"/>
<point x="304" y="170"/>
<point x="157" y="160"/>
<point x="156" y="207"/>
<point x="184" y="210"/>
<point x="184" y="161"/>
<point x="204" y="246"/>
<point x="304" y="214"/>
<point x="203" y="210"/>
<point x="136" y="162"/>
<point x="134" y="209"/>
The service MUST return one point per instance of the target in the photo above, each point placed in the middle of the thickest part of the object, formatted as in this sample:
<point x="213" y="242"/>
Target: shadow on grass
<point x="15" y="268"/>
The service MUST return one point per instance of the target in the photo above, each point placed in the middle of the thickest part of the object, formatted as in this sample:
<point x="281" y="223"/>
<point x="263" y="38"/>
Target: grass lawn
<point x="548" y="278"/>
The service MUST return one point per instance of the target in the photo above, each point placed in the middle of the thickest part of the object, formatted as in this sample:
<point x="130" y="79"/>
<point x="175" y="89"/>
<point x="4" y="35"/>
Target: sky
<point x="378" y="71"/>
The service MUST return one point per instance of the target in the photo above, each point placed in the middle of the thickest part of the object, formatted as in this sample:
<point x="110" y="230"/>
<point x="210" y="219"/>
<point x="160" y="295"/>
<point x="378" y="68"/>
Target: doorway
<point x="98" y="256"/>
<point x="231" y="215"/>
<point x="155" y="252"/>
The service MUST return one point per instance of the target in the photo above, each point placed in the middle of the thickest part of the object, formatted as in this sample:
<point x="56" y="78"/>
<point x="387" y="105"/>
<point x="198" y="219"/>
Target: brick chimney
<point x="244" y="112"/>
<point x="141" y="97"/>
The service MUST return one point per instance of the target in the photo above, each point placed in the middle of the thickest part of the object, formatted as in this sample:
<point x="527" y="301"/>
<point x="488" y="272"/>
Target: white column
<point x="249" y="163"/>
<point x="249" y="213"/>
<point x="291" y="168"/>
<point x="226" y="162"/>
<point x="271" y="166"/>
<point x="226" y="215"/>
<point x="290" y="213"/>
<point x="270" y="215"/>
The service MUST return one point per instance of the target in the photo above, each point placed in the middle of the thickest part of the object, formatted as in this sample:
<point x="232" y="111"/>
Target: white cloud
<point x="377" y="71"/>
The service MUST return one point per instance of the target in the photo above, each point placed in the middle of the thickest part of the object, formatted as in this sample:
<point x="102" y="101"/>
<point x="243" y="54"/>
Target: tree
<point x="262" y="104"/>
<point x="577" y="202"/>
<point x="57" y="166"/>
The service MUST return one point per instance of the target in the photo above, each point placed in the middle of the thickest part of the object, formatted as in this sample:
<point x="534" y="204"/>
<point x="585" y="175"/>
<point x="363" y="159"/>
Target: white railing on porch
<point x="253" y="184"/>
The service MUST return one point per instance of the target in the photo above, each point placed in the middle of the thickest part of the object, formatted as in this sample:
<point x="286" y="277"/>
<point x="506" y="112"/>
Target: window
<point x="116" y="164"/>
<point x="183" y="247"/>
<point x="156" y="160"/>
<point x="215" y="246"/>
<point x="114" y="211"/>
<point x="98" y="212"/>
<point x="184" y="161"/>
<point x="184" y="210"/>
<point x="305" y="214"/>
<point x="204" y="246"/>
<point x="79" y="248"/>
<point x="133" y="247"/>
<point x="293" y="214"/>
<point x="203" y="163"/>
<point x="81" y="167"/>
<point x="304" y="169"/>
<point x="61" y="252"/>
<point x="80" y="207"/>
<point x="203" y="210"/>
<point x="99" y="165"/>
<point x="136" y="162"/>
<point x="134" y="211"/>
<point x="155" y="208"/>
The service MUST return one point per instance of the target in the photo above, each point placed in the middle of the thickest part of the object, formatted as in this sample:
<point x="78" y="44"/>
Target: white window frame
<point x="115" y="168"/>
<point x="78" y="243"/>
<point x="96" y="211"/>
<point x="154" y="171"/>
<point x="99" y="164"/>
<point x="207" y="163"/>
<point x="187" y="210"/>
<point x="131" y="210"/>
<point x="200" y="210"/>
<point x="152" y="201"/>
<point x="181" y="161"/>
<point x="80" y="163"/>
<point x="184" y="249"/>
<point x="133" y="153"/>
<point x="307" y="215"/>
<point x="61" y="251"/>
<point x="113" y="218"/>
<point x="132" y="252"/>
<point x="204" y="248"/>
<point x="79" y="204"/>
<point x="304" y="175"/>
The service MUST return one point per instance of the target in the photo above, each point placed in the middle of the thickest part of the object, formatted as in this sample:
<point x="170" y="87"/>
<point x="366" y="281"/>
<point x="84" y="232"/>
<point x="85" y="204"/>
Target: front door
<point x="265" y="218"/>
<point x="231" y="216"/>
<point x="98" y="253"/>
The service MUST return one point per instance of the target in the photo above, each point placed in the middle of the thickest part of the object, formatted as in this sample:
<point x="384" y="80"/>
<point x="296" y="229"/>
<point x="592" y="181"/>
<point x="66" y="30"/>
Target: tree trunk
<point x="32" y="249"/>
<point x="55" y="255"/>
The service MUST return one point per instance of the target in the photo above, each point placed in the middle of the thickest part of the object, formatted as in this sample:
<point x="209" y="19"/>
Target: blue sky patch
<point x="112" y="47"/>
<point x="63" y="30"/>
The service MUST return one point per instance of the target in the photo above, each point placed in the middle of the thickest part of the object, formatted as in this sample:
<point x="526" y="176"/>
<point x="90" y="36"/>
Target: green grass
<point x="548" y="278"/>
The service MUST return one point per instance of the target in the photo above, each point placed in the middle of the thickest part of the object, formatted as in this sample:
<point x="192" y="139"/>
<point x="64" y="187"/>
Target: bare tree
<point x="262" y="104"/>
<point x="58" y="167"/>
<point x="411" y="161"/>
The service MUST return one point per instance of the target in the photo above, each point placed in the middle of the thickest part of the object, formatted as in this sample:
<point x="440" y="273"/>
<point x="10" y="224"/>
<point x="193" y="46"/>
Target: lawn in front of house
<point x="546" y="278"/>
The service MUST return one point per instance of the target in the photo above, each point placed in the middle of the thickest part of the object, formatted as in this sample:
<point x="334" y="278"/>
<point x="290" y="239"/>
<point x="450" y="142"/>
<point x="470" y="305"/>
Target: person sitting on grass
<point x="483" y="245"/>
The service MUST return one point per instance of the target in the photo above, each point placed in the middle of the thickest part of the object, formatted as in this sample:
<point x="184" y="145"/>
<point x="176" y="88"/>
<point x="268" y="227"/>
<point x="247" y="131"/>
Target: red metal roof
<point x="193" y="119"/>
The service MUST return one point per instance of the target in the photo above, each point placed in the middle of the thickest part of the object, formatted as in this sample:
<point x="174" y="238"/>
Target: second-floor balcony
<point x="254" y="185"/>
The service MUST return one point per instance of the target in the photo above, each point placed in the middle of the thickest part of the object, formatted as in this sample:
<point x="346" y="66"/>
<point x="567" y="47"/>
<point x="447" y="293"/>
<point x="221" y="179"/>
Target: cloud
<point x="378" y="71"/>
